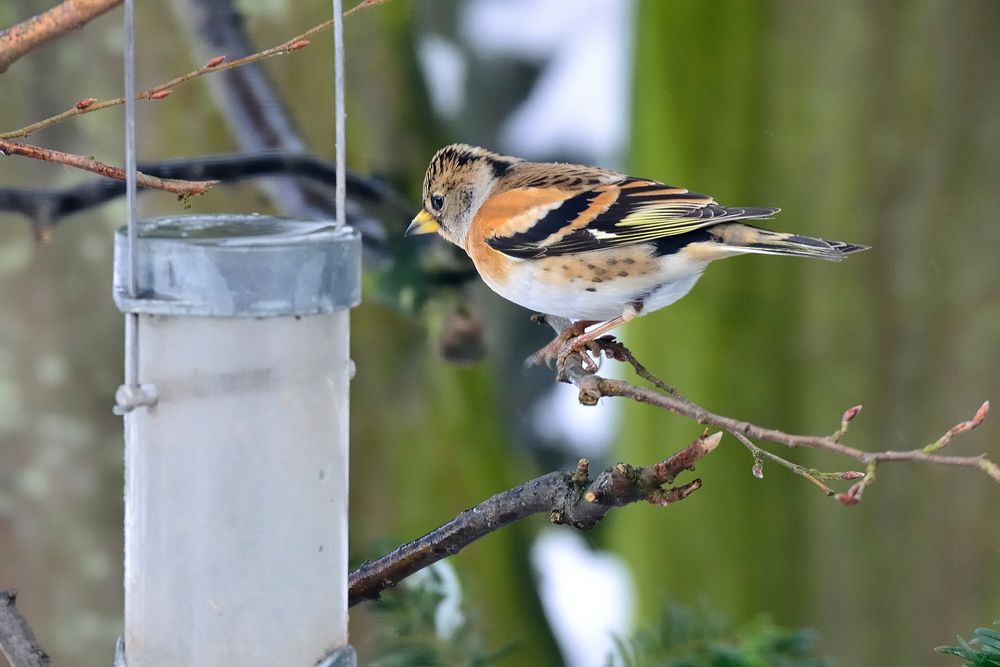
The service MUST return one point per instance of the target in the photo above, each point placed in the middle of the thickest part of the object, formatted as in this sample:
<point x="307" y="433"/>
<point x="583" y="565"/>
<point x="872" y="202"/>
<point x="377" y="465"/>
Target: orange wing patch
<point x="638" y="183"/>
<point x="661" y="193"/>
<point x="515" y="211"/>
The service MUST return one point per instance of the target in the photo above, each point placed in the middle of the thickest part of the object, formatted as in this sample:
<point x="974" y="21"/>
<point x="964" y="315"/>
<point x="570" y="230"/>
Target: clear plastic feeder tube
<point x="236" y="480"/>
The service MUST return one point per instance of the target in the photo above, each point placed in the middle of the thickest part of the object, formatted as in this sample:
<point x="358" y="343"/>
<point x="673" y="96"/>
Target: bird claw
<point x="552" y="352"/>
<point x="585" y="348"/>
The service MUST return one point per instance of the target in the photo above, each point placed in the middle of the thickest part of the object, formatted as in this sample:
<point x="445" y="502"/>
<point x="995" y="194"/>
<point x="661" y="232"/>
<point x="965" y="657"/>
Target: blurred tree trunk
<point x="866" y="124"/>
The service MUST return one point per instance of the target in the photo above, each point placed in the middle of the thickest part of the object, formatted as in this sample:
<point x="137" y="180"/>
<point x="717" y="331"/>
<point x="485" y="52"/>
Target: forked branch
<point x="570" y="498"/>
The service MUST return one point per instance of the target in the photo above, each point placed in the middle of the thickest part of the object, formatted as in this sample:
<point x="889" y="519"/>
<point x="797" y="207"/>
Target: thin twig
<point x="157" y="92"/>
<point x="26" y="36"/>
<point x="160" y="91"/>
<point x="178" y="187"/>
<point x="958" y="428"/>
<point x="617" y="351"/>
<point x="593" y="387"/>
<point x="17" y="640"/>
<point x="363" y="5"/>
<point x="569" y="498"/>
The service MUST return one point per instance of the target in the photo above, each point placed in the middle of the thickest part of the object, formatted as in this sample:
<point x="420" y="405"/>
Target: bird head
<point x="458" y="180"/>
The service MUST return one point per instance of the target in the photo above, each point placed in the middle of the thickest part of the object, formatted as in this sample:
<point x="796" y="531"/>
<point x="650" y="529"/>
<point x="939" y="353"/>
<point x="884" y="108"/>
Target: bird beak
<point x="424" y="223"/>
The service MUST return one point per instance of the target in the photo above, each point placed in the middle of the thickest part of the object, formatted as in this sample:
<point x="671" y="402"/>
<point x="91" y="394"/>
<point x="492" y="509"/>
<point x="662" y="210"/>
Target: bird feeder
<point x="236" y="478"/>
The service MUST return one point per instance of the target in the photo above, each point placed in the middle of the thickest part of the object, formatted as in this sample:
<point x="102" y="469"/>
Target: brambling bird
<point x="589" y="244"/>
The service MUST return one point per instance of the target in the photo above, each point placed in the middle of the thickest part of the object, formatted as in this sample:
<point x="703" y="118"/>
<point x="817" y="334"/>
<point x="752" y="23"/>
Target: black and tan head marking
<point x="456" y="158"/>
<point x="459" y="178"/>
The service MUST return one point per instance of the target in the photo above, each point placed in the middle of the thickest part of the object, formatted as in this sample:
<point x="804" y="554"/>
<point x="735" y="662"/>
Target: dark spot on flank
<point x="600" y="271"/>
<point x="591" y="289"/>
<point x="628" y="260"/>
<point x="597" y="280"/>
<point x="545" y="268"/>
<point x="612" y="262"/>
<point x="590" y="266"/>
<point x="565" y="267"/>
<point x="621" y="274"/>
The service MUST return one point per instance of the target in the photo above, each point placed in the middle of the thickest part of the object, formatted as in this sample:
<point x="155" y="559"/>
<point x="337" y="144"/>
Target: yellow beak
<point x="424" y="223"/>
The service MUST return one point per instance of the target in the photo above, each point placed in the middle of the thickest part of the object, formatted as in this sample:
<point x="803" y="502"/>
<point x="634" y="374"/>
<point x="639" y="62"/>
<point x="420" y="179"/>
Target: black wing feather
<point x="647" y="213"/>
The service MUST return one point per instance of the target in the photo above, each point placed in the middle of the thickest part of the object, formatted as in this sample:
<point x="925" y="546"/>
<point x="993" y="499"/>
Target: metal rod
<point x="340" y="113"/>
<point x="130" y="168"/>
<point x="131" y="319"/>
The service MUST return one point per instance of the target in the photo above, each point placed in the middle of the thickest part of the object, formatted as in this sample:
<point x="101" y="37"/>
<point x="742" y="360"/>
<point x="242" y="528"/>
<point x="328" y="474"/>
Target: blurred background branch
<point x="47" y="208"/>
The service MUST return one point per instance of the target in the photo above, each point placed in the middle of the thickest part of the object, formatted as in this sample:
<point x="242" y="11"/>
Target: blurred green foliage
<point x="983" y="650"/>
<point x="688" y="637"/>
<point x="424" y="623"/>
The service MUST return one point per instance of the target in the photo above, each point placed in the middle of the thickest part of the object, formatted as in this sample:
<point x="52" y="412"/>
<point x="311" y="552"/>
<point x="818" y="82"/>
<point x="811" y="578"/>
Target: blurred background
<point x="875" y="123"/>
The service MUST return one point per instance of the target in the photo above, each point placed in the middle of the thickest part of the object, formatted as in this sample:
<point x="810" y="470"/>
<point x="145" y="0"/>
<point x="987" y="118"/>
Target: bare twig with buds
<point x="178" y="187"/>
<point x="593" y="387"/>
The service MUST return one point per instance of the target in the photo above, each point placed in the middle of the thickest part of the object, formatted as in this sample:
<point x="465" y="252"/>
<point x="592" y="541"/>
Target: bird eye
<point x="437" y="201"/>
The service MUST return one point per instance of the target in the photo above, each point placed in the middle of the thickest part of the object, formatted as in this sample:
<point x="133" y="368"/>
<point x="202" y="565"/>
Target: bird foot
<point x="553" y="351"/>
<point x="589" y="350"/>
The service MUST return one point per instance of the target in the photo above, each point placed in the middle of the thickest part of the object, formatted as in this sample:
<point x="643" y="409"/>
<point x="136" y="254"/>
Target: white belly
<point x="582" y="298"/>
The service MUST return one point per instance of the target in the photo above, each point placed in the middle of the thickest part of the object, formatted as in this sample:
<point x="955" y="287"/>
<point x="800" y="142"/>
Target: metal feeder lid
<point x="239" y="266"/>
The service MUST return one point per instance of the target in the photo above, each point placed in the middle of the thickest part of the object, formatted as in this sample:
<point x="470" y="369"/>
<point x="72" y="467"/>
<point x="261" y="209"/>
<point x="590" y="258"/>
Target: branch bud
<point x="850" y="414"/>
<point x="83" y="104"/>
<point x="981" y="413"/>
<point x="159" y="94"/>
<point x="298" y="44"/>
<point x="216" y="61"/>
<point x="852" y="496"/>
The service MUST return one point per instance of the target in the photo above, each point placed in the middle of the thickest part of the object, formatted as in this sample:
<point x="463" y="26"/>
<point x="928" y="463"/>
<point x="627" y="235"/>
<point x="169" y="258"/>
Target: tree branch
<point x="178" y="187"/>
<point x="26" y="36"/>
<point x="31" y="33"/>
<point x="158" y="92"/>
<point x="17" y="639"/>
<point x="593" y="387"/>
<point x="568" y="498"/>
<point x="215" y="64"/>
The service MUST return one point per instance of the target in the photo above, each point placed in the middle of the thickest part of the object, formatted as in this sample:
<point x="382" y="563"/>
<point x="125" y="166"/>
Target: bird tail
<point x="739" y="238"/>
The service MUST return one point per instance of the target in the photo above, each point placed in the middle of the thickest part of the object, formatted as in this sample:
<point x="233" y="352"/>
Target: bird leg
<point x="576" y="338"/>
<point x="587" y="341"/>
<point x="551" y="351"/>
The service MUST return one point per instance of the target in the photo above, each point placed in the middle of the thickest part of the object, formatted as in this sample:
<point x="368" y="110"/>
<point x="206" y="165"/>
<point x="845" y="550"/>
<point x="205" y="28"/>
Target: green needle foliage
<point x="983" y="650"/>
<point x="686" y="637"/>
<point x="412" y="632"/>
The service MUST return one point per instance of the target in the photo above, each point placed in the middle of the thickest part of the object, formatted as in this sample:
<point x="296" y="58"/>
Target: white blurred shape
<point x="445" y="70"/>
<point x="580" y="102"/>
<point x="587" y="430"/>
<point x="587" y="595"/>
<point x="442" y="579"/>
